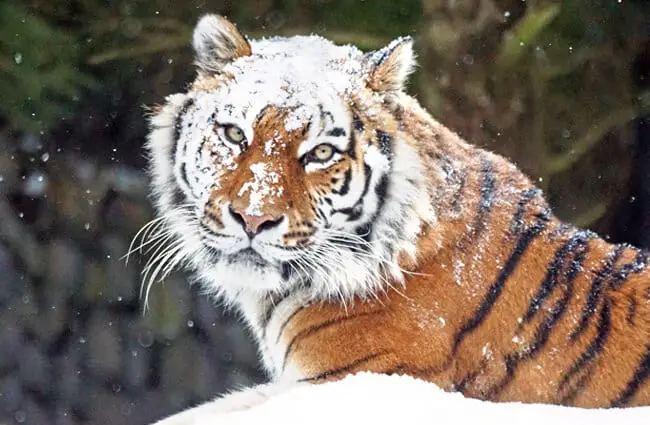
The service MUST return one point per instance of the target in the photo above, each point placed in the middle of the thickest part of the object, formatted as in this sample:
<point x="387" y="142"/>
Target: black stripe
<point x="183" y="171"/>
<point x="229" y="108"/>
<point x="343" y="369"/>
<point x="381" y="190"/>
<point x="578" y="388"/>
<point x="364" y="231"/>
<point x="323" y="115"/>
<point x="623" y="273"/>
<point x="357" y="123"/>
<point x="594" y="349"/>
<point x="562" y="231"/>
<point x="207" y="212"/>
<point x="554" y="269"/>
<point x="295" y="235"/>
<point x="631" y="308"/>
<point x="410" y="370"/>
<point x="353" y="213"/>
<point x="486" y="201"/>
<point x="199" y="150"/>
<point x="273" y="304"/>
<point x="356" y="210"/>
<point x="488" y="190"/>
<point x="178" y="122"/>
<point x="447" y="167"/>
<point x="210" y="231"/>
<point x="345" y="187"/>
<point x="352" y="146"/>
<point x="305" y="129"/>
<point x="261" y="114"/>
<point x="596" y="290"/>
<point x="497" y="287"/>
<point x="319" y="212"/>
<point x="461" y="386"/>
<point x="640" y="375"/>
<point x="287" y="321"/>
<point x="286" y="270"/>
<point x="454" y="178"/>
<point x="518" y="222"/>
<point x="543" y="332"/>
<point x="456" y="204"/>
<point x="336" y="132"/>
<point x="385" y="142"/>
<point x="305" y="333"/>
<point x="178" y="196"/>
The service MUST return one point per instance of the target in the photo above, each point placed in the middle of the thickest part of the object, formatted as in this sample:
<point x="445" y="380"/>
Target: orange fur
<point x="416" y="331"/>
<point x="502" y="301"/>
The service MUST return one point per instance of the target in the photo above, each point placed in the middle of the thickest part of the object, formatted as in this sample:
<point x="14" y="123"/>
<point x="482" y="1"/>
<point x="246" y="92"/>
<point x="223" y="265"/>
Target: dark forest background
<point x="562" y="87"/>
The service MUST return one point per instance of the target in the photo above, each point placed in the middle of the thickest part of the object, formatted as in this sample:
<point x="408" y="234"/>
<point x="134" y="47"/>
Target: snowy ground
<point x="378" y="399"/>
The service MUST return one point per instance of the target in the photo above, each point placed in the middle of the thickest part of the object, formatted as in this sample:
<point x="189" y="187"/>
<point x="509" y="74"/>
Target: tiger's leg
<point x="232" y="402"/>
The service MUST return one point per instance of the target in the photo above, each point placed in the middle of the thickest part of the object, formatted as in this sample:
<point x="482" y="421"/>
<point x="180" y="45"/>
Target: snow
<point x="268" y="147"/>
<point x="302" y="74"/>
<point x="380" y="399"/>
<point x="298" y="73"/>
<point x="261" y="187"/>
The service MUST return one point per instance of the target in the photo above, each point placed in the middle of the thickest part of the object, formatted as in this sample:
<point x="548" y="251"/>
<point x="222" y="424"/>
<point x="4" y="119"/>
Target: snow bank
<point x="378" y="399"/>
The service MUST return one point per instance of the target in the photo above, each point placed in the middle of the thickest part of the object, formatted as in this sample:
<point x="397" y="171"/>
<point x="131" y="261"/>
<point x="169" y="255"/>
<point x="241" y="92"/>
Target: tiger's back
<point x="506" y="303"/>
<point x="356" y="233"/>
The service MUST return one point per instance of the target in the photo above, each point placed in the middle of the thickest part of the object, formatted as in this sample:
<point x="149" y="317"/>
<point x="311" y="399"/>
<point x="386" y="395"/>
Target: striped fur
<point x="458" y="272"/>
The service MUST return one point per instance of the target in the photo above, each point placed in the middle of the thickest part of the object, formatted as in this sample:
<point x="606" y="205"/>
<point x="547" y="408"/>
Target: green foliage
<point x="48" y="49"/>
<point x="523" y="34"/>
<point x="548" y="83"/>
<point x="39" y="74"/>
<point x="385" y="17"/>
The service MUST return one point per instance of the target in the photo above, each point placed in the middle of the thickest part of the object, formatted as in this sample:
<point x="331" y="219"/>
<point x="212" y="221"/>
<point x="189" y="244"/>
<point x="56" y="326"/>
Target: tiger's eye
<point x="323" y="152"/>
<point x="234" y="134"/>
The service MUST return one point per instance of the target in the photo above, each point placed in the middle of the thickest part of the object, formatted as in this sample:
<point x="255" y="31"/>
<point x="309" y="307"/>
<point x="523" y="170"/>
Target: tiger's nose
<point x="254" y="224"/>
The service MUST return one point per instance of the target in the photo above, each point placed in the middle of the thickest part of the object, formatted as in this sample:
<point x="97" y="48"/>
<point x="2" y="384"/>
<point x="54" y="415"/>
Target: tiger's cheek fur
<point x="443" y="262"/>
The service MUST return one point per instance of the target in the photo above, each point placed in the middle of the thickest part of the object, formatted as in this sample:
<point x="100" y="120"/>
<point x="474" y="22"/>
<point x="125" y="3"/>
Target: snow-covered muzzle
<point x="280" y="177"/>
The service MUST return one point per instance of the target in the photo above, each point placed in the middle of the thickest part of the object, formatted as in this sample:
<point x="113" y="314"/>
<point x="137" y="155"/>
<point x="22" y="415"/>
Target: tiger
<point x="299" y="183"/>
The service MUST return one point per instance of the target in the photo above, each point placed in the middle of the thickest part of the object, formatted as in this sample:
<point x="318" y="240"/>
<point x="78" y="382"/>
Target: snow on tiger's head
<point x="283" y="165"/>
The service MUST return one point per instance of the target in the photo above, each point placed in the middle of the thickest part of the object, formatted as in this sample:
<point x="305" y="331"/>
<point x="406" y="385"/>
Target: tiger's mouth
<point x="248" y="256"/>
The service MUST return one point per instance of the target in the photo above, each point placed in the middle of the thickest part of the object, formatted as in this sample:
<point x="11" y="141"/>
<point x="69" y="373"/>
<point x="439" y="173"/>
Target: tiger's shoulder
<point x="356" y="233"/>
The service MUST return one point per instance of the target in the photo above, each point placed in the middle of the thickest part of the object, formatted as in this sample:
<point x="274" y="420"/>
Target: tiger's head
<point x="285" y="164"/>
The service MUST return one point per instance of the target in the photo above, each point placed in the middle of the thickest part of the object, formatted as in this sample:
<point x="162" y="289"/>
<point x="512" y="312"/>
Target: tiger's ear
<point x="391" y="66"/>
<point x="217" y="42"/>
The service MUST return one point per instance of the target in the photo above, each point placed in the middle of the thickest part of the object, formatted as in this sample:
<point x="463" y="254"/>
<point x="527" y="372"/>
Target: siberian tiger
<point x="354" y="232"/>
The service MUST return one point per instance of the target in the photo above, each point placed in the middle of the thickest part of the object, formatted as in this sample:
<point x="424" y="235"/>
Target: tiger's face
<point x="283" y="166"/>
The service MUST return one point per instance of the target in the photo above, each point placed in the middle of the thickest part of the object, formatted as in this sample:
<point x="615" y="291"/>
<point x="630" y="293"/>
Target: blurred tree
<point x="75" y="347"/>
<point x="543" y="82"/>
<point x="139" y="51"/>
<point x="39" y="75"/>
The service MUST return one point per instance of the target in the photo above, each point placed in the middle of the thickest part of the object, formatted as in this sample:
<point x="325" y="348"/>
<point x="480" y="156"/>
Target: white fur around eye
<point x="305" y="73"/>
<point x="315" y="166"/>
